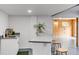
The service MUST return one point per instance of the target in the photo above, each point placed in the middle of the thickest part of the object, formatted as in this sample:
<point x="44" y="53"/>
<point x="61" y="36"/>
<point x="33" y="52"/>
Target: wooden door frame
<point x="76" y="31"/>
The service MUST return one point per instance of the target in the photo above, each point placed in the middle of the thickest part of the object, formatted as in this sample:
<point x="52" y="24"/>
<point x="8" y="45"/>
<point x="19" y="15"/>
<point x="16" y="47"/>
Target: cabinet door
<point x="9" y="47"/>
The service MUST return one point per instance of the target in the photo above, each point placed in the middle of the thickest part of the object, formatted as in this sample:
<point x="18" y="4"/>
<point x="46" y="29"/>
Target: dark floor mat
<point x="23" y="53"/>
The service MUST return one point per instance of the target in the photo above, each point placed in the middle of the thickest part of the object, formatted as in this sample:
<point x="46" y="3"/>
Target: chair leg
<point x="66" y="53"/>
<point x="56" y="52"/>
<point x="63" y="53"/>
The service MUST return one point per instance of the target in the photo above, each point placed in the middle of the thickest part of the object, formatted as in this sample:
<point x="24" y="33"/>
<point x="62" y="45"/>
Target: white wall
<point x="25" y="25"/>
<point x="48" y="22"/>
<point x="3" y="22"/>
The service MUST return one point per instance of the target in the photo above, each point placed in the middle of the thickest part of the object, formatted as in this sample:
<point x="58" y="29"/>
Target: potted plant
<point x="9" y="31"/>
<point x="40" y="28"/>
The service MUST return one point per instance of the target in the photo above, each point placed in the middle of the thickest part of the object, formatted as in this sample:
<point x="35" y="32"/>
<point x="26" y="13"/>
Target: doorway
<point x="66" y="30"/>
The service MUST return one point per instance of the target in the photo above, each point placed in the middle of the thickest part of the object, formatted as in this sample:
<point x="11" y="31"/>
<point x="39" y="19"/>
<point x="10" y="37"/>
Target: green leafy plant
<point x="40" y="27"/>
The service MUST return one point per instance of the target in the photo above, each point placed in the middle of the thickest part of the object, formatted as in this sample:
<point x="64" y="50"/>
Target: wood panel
<point x="73" y="31"/>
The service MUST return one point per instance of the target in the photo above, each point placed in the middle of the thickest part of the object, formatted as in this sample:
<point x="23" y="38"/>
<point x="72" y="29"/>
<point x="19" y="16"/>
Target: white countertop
<point x="42" y="39"/>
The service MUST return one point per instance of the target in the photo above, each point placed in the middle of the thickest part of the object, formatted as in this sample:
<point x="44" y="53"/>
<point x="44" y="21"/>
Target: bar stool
<point x="60" y="51"/>
<point x="56" y="44"/>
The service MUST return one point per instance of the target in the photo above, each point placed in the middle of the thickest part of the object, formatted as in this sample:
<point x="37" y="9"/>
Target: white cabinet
<point x="9" y="46"/>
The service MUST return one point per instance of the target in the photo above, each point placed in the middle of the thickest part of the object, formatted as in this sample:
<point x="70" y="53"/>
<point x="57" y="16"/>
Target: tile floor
<point x="73" y="51"/>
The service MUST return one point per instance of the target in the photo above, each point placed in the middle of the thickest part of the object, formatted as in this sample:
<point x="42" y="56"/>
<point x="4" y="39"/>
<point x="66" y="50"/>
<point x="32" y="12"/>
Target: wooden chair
<point x="56" y="44"/>
<point x="58" y="50"/>
<point x="62" y="51"/>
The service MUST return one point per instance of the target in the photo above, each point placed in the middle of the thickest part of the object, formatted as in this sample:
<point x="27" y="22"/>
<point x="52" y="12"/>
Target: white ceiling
<point x="38" y="9"/>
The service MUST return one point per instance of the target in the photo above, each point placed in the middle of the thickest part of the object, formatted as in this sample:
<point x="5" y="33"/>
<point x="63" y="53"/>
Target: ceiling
<point x="37" y="9"/>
